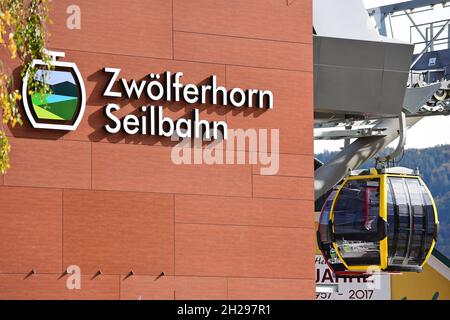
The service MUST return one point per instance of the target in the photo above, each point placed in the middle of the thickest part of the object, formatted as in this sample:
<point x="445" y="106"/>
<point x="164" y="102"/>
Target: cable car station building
<point x="112" y="194"/>
<point x="115" y="205"/>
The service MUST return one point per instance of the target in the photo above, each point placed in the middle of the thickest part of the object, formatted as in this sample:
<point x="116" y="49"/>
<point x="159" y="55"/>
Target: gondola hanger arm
<point x="401" y="142"/>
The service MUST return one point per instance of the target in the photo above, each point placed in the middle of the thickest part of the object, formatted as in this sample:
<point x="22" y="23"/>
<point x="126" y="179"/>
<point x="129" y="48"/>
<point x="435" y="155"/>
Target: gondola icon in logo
<point x="63" y="107"/>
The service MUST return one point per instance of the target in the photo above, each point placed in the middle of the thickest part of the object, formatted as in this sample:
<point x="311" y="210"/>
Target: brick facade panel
<point x="54" y="287"/>
<point x="47" y="163"/>
<point x="270" y="19"/>
<point x="150" y="169"/>
<point x="118" y="232"/>
<point x="242" y="51"/>
<point x="173" y="288"/>
<point x="243" y="211"/>
<point x="31" y="230"/>
<point x="237" y="251"/>
<point x="106" y="27"/>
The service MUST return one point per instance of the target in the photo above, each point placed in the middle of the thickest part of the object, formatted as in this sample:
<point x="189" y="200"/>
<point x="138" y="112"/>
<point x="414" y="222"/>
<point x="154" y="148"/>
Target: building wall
<point x="117" y="203"/>
<point x="431" y="283"/>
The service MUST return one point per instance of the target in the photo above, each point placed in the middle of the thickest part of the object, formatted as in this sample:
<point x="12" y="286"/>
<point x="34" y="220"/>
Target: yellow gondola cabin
<point x="378" y="220"/>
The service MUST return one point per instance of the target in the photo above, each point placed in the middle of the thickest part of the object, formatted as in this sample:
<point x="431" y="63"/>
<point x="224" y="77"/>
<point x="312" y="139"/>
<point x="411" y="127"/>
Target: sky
<point x="53" y="77"/>
<point x="430" y="131"/>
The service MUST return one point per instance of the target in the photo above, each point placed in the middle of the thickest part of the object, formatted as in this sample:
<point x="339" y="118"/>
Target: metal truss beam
<point x="409" y="5"/>
<point x="348" y="133"/>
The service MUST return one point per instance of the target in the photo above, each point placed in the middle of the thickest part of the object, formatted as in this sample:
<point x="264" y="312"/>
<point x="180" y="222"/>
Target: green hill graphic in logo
<point x="63" y="107"/>
<point x="62" y="102"/>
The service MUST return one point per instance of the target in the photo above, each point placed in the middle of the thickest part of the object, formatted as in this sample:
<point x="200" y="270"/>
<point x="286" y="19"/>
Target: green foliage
<point x="434" y="166"/>
<point x="4" y="150"/>
<point x="23" y="34"/>
<point x="434" y="297"/>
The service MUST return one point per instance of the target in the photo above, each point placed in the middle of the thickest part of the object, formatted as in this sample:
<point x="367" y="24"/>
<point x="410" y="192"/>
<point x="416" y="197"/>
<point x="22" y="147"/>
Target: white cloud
<point x="429" y="132"/>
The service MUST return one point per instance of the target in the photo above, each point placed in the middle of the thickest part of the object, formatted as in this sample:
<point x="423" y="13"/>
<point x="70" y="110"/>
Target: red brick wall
<point x="116" y="203"/>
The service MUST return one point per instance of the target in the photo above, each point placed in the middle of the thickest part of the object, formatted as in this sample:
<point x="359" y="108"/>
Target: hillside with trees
<point x="434" y="166"/>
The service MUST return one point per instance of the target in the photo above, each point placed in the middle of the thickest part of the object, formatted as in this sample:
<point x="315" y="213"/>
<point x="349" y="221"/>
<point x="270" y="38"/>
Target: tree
<point x="23" y="35"/>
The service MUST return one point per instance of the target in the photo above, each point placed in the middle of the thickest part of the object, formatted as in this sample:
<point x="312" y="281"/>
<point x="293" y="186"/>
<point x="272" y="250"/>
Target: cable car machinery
<point x="432" y="63"/>
<point x="379" y="220"/>
<point x="383" y="218"/>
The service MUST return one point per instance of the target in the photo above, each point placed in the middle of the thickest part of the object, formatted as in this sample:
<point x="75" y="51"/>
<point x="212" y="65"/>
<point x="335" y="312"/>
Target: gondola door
<point x="412" y="221"/>
<point x="358" y="227"/>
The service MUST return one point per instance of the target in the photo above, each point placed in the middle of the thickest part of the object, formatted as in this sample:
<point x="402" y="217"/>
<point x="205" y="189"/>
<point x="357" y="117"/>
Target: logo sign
<point x="169" y="86"/>
<point x="332" y="287"/>
<point x="63" y="107"/>
<point x="432" y="62"/>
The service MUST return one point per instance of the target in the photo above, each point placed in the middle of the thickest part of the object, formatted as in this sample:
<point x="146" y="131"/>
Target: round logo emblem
<point x="63" y="107"/>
